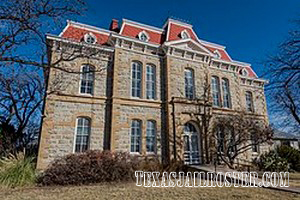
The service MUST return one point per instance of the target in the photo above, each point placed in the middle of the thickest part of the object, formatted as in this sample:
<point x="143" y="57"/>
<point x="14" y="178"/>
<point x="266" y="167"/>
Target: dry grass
<point x="294" y="179"/>
<point x="130" y="191"/>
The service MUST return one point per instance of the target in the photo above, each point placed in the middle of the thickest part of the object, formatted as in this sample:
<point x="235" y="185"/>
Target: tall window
<point x="189" y="83"/>
<point x="226" y="93"/>
<point x="215" y="86"/>
<point x="232" y="140"/>
<point x="249" y="102"/>
<point x="83" y="131"/>
<point x="151" y="136"/>
<point x="136" y="133"/>
<point x="150" y="82"/>
<point x="254" y="142"/>
<point x="87" y="77"/>
<point x="220" y="139"/>
<point x="136" y="76"/>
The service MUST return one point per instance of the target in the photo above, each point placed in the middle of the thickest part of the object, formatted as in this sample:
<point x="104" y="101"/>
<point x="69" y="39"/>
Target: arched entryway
<point x="191" y="144"/>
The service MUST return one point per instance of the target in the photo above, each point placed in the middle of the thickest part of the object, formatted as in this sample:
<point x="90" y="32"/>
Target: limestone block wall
<point x="122" y="72"/>
<point x="123" y="115"/>
<point x="259" y="101"/>
<point x="176" y="76"/>
<point x="59" y="127"/>
<point x="68" y="82"/>
<point x="64" y="104"/>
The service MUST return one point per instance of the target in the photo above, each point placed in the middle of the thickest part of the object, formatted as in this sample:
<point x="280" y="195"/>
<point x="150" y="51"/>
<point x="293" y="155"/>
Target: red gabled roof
<point x="224" y="55"/>
<point x="133" y="31"/>
<point x="175" y="30"/>
<point x="77" y="34"/>
<point x="251" y="73"/>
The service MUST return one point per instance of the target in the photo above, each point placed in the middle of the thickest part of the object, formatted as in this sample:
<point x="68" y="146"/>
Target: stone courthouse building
<point x="141" y="89"/>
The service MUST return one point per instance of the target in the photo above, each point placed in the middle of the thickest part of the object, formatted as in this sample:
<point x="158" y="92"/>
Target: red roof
<point x="175" y="30"/>
<point x="133" y="31"/>
<point x="250" y="72"/>
<point x="224" y="55"/>
<point x="77" y="34"/>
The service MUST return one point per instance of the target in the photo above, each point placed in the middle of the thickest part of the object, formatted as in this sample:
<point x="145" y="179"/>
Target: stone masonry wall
<point x="64" y="104"/>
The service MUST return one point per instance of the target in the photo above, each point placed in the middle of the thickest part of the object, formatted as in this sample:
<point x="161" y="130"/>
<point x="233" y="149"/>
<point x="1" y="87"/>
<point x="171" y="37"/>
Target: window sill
<point x="86" y="95"/>
<point x="135" y="153"/>
<point x="150" y="153"/>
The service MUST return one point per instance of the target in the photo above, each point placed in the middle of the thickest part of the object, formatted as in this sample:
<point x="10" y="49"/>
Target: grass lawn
<point x="130" y="191"/>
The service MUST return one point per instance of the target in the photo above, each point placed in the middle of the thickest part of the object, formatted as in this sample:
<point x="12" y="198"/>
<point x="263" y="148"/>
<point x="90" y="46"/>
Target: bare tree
<point x="237" y="134"/>
<point x="24" y="24"/>
<point x="21" y="97"/>
<point x="284" y="87"/>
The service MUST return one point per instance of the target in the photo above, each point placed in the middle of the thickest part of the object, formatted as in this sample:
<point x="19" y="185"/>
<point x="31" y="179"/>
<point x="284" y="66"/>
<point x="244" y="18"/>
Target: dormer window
<point x="184" y="34"/>
<point x="217" y="54"/>
<point x="244" y="72"/>
<point x="90" y="38"/>
<point x="143" y="36"/>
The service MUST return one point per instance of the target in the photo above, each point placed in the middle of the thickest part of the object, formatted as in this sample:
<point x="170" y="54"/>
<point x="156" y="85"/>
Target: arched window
<point x="191" y="144"/>
<point x="82" y="136"/>
<point x="215" y="88"/>
<point x="184" y="34"/>
<point x="189" y="83"/>
<point x="150" y="82"/>
<point x="136" y="136"/>
<point x="143" y="36"/>
<point x="151" y="136"/>
<point x="249" y="102"/>
<point x="87" y="77"/>
<point x="217" y="54"/>
<point x="226" y="93"/>
<point x="90" y="38"/>
<point x="136" y="79"/>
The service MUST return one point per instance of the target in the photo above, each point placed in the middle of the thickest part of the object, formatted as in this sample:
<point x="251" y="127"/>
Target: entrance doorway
<point x="191" y="145"/>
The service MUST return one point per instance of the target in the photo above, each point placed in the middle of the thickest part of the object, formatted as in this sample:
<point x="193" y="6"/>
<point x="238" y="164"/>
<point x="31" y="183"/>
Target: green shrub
<point x="90" y="167"/>
<point x="291" y="155"/>
<point x="271" y="161"/>
<point x="17" y="171"/>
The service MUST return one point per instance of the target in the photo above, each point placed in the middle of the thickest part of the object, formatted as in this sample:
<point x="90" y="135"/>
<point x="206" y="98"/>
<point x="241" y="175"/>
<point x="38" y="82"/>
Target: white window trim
<point x="141" y="138"/>
<point x="251" y="101"/>
<point x="75" y="131"/>
<point x="80" y="78"/>
<point x="155" y="137"/>
<point x="90" y="35"/>
<point x="217" y="54"/>
<point x="154" y="89"/>
<point x="245" y="72"/>
<point x="146" y="34"/>
<point x="193" y="82"/>
<point x="142" y="79"/>
<point x="219" y="91"/>
<point x="184" y="32"/>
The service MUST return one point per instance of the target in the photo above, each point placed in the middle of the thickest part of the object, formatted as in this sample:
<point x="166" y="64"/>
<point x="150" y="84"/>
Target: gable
<point x="77" y="34"/>
<point x="133" y="32"/>
<point x="189" y="44"/>
<point x="174" y="31"/>
<point x="222" y="52"/>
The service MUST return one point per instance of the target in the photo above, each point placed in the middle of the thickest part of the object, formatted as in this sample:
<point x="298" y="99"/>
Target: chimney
<point x="114" y="25"/>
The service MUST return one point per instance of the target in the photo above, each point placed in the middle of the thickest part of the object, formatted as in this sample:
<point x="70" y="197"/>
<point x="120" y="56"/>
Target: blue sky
<point x="250" y="29"/>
